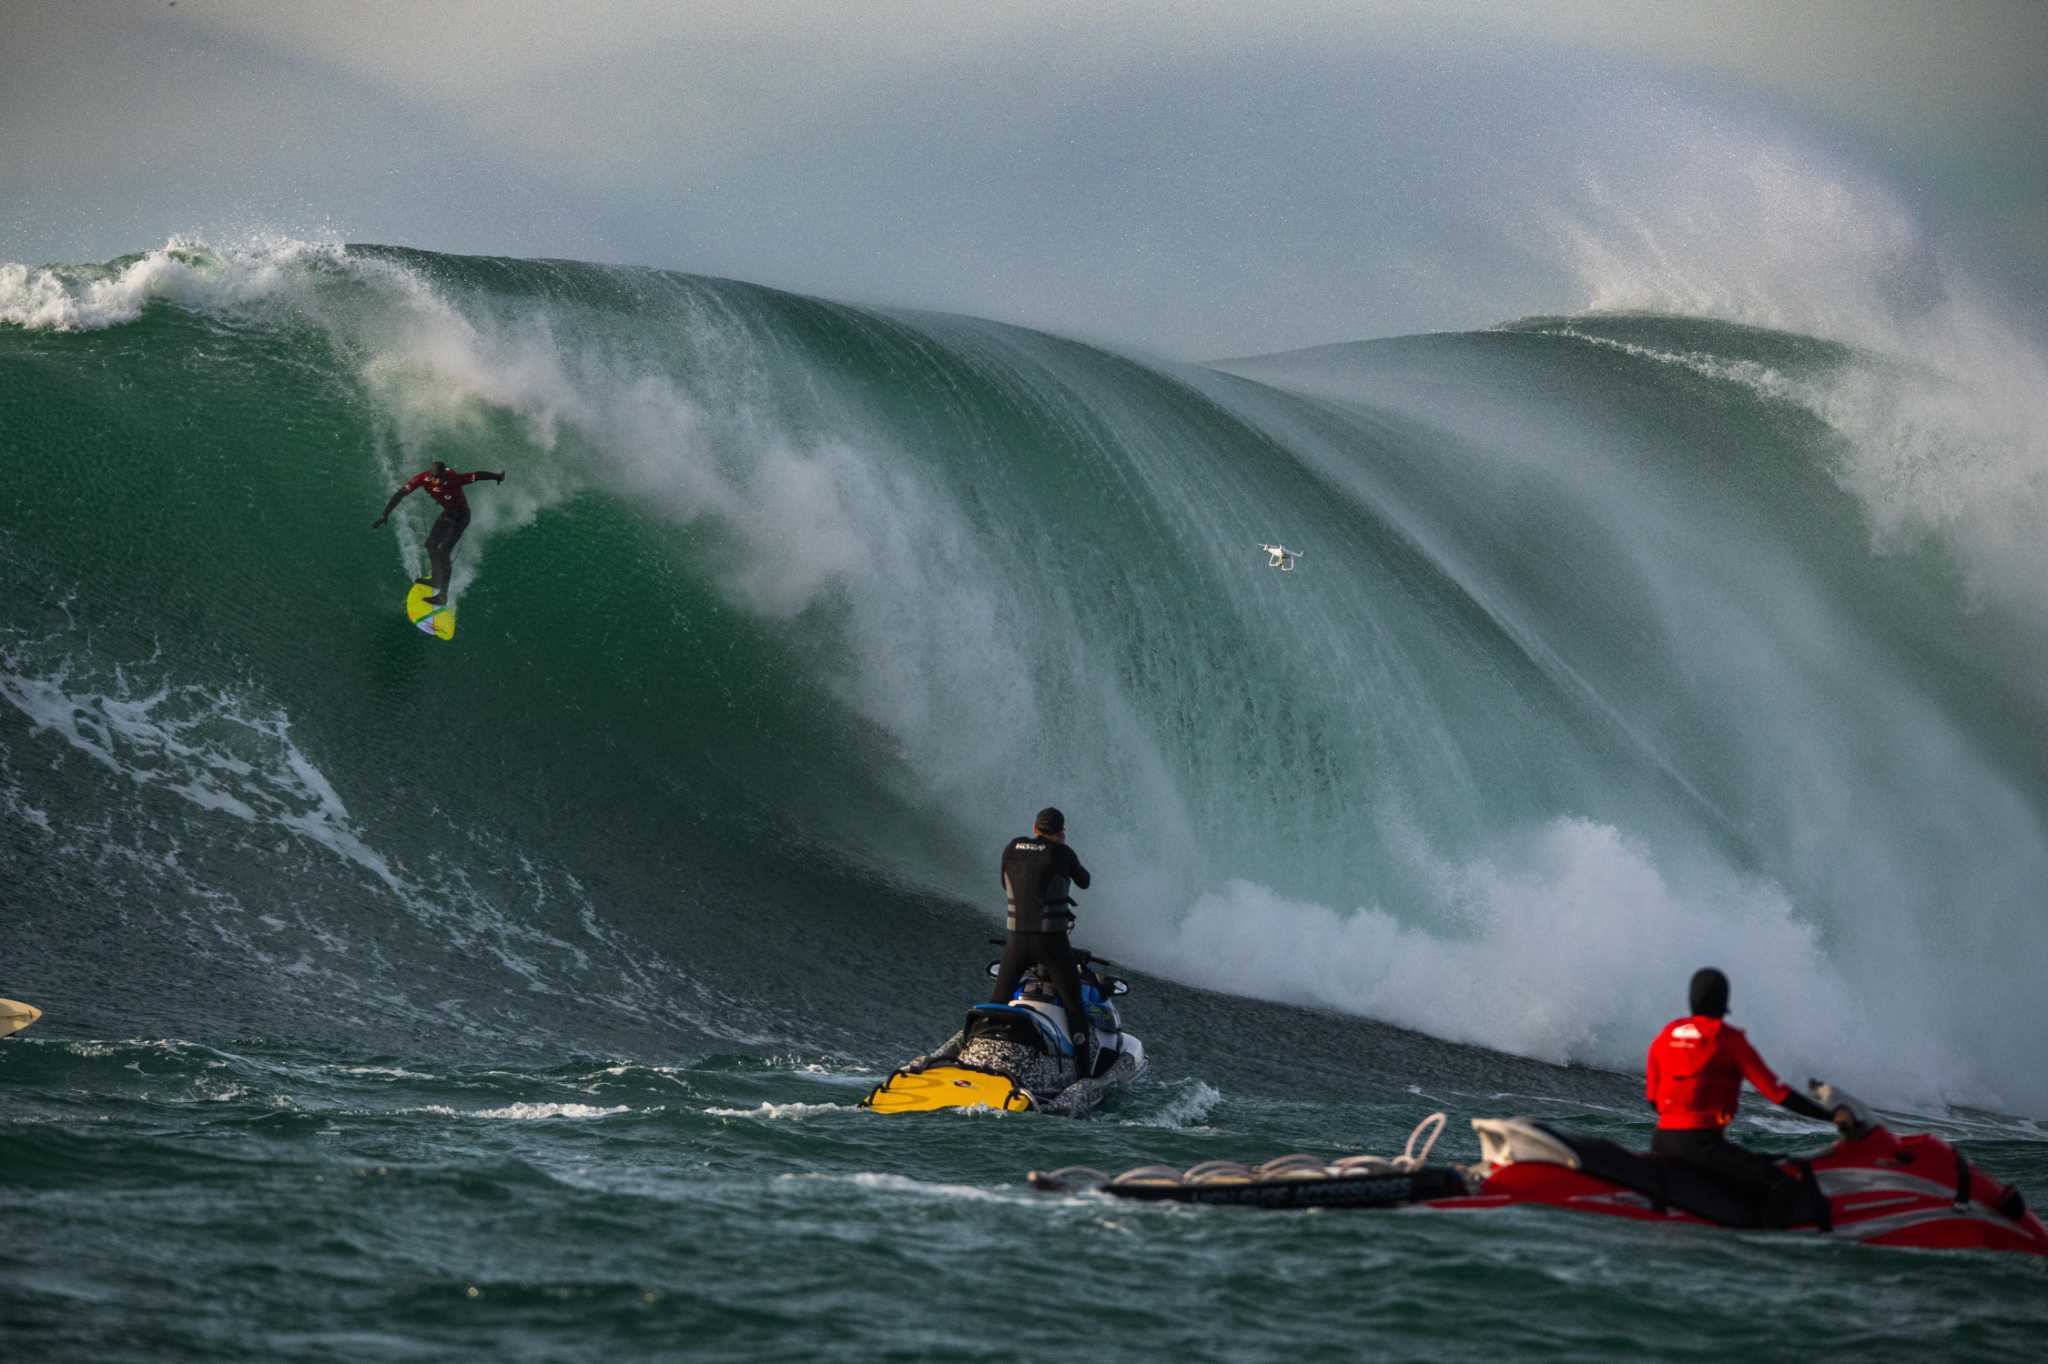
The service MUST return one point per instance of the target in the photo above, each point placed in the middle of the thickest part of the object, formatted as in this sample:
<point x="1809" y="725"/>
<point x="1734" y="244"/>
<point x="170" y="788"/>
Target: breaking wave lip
<point x="1952" y="456"/>
<point x="184" y="270"/>
<point x="1951" y="440"/>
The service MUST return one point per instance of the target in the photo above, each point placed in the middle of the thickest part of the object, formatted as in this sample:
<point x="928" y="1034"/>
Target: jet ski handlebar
<point x="1848" y="1113"/>
<point x="1082" y="956"/>
<point x="1085" y="961"/>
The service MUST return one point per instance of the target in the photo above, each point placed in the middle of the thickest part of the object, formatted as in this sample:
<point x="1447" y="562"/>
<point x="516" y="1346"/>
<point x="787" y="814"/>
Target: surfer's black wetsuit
<point x="441" y="540"/>
<point x="1036" y="874"/>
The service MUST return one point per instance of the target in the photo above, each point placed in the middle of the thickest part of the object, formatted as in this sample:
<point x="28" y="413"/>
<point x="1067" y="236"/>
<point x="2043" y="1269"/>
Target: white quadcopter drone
<point x="1282" y="557"/>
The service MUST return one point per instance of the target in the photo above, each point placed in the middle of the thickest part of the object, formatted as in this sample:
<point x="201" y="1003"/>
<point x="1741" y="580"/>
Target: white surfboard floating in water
<point x="1282" y="557"/>
<point x="14" y="1015"/>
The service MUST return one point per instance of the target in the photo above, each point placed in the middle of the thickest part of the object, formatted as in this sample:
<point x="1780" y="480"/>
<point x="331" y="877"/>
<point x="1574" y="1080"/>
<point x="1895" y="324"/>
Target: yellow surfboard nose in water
<point x="14" y="1015"/>
<point x="438" y="621"/>
<point x="937" y="1087"/>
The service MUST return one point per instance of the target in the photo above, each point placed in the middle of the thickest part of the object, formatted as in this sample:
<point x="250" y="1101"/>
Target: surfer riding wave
<point x="445" y="486"/>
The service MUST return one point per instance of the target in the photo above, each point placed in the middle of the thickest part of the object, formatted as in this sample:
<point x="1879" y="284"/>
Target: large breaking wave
<point x="1624" y="642"/>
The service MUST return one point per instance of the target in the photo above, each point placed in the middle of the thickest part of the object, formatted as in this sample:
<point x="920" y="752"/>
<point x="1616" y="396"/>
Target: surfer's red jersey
<point x="1696" y="1069"/>
<point x="445" y="489"/>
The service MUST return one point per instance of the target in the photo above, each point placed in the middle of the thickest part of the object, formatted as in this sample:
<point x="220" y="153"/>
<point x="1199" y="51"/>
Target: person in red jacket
<point x="1694" y="1077"/>
<point x="445" y="486"/>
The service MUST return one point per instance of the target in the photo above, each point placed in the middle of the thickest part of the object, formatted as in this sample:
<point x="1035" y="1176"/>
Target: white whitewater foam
<point x="231" y="755"/>
<point x="883" y="1182"/>
<point x="524" y="1112"/>
<point x="1570" y="946"/>
<point x="214" y="748"/>
<point x="183" y="271"/>
<point x="793" y="1112"/>
<point x="90" y="1050"/>
<point x="1189" y="1108"/>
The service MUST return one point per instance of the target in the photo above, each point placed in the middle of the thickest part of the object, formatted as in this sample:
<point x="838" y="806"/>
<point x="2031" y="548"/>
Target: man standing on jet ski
<point x="1694" y="1078"/>
<point x="1037" y="872"/>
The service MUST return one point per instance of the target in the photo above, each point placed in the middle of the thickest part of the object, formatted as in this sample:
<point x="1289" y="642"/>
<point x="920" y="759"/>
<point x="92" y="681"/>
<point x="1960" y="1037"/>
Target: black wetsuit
<point x="441" y="540"/>
<point x="1775" y="1196"/>
<point x="1036" y="874"/>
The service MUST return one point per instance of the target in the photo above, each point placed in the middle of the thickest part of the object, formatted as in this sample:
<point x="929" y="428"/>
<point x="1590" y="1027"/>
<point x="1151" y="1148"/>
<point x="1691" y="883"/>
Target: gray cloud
<point x="1200" y="178"/>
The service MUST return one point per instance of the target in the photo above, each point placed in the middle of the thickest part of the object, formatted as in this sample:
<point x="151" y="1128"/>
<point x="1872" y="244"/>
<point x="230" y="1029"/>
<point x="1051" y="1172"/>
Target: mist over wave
<point x="1625" y="642"/>
<point x="1944" y="424"/>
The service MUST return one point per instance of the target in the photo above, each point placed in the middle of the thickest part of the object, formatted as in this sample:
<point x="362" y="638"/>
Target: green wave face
<point x="1603" y="662"/>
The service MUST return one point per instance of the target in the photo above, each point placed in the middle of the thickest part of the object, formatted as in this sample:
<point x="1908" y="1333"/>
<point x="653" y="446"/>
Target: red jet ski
<point x="1871" y="1186"/>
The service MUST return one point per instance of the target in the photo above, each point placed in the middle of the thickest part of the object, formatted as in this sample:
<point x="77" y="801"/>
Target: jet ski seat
<point x="1008" y="1023"/>
<point x="1666" y="1183"/>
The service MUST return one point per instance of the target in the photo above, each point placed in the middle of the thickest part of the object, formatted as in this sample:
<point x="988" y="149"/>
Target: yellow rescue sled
<point x="947" y="1086"/>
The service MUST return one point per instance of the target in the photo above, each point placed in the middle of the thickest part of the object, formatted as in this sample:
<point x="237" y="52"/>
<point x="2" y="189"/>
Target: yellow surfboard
<point x="438" y="621"/>
<point x="14" y="1015"/>
<point x="939" y="1087"/>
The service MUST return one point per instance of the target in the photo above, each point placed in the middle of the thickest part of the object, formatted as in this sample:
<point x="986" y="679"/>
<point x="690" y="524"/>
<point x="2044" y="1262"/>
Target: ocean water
<point x="514" y="997"/>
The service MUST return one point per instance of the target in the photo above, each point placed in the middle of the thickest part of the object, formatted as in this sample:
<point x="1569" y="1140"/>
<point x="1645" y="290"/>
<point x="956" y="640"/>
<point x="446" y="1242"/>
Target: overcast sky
<point x="1193" y="178"/>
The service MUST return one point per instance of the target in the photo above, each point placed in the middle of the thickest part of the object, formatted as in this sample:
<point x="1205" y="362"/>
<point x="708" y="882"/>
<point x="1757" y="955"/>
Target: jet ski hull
<point x="1875" y="1188"/>
<point x="1879" y="1189"/>
<point x="989" y="1073"/>
<point x="1018" y="1057"/>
